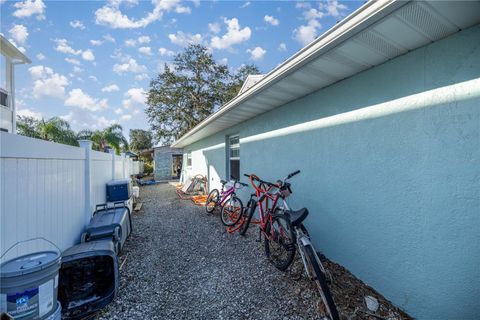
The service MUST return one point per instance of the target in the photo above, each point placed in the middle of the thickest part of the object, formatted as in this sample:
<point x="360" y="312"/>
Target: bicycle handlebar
<point x="273" y="184"/>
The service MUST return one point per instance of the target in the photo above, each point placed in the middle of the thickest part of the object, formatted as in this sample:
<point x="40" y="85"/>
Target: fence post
<point x="87" y="145"/>
<point x="123" y="164"/>
<point x="112" y="153"/>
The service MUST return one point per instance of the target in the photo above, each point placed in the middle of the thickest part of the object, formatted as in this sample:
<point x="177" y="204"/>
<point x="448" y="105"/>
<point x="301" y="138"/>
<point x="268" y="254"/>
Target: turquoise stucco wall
<point x="390" y="163"/>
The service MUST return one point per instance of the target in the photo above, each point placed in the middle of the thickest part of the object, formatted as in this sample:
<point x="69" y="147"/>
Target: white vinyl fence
<point x="50" y="190"/>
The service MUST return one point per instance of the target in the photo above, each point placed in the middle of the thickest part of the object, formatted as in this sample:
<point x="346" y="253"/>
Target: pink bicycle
<point x="231" y="207"/>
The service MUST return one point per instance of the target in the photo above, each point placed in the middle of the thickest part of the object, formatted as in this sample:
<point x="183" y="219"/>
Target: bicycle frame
<point x="263" y="205"/>
<point x="225" y="194"/>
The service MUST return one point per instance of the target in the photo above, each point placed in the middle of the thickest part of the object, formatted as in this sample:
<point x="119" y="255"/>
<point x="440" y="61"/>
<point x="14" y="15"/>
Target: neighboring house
<point x="382" y="116"/>
<point x="168" y="163"/>
<point x="9" y="57"/>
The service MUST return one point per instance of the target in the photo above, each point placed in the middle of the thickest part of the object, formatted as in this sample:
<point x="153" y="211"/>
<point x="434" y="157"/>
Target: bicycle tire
<point x="247" y="217"/>
<point x="213" y="193"/>
<point x="288" y="246"/>
<point x="321" y="282"/>
<point x="234" y="219"/>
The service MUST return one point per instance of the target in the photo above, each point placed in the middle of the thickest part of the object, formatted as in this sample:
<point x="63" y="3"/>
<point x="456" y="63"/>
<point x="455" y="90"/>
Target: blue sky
<point x="92" y="60"/>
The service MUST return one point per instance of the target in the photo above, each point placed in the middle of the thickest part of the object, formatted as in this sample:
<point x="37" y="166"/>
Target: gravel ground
<point x="179" y="263"/>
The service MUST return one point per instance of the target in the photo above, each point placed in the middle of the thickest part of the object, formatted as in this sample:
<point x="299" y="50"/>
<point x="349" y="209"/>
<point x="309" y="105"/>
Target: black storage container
<point x="119" y="190"/>
<point x="110" y="222"/>
<point x="88" y="279"/>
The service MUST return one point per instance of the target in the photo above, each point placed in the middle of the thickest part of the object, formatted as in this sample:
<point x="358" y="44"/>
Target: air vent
<point x="424" y="21"/>
<point x="377" y="43"/>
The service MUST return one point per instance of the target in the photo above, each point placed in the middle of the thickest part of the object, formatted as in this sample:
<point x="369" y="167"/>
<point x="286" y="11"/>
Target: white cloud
<point x="30" y="8"/>
<point x="246" y="4"/>
<point x="118" y="111"/>
<point x="214" y="27"/>
<point x="143" y="39"/>
<point x="77" y="69"/>
<point x="333" y="8"/>
<point x="93" y="78"/>
<point x="233" y="36"/>
<point x="282" y="47"/>
<point x="29" y="113"/>
<point x="77" y="98"/>
<point x="47" y="82"/>
<point x="76" y="24"/>
<point x="166" y="52"/>
<point x="19" y="33"/>
<point x="130" y="66"/>
<point x="271" y="20"/>
<point x="79" y="119"/>
<point x="88" y="55"/>
<point x="64" y="47"/>
<point x="257" y="53"/>
<point x="139" y="40"/>
<point x="111" y="88"/>
<point x="308" y="32"/>
<point x="134" y="96"/>
<point x="73" y="61"/>
<point x="185" y="39"/>
<point x="126" y="117"/>
<point x="40" y="56"/>
<point x="130" y="42"/>
<point x="106" y="38"/>
<point x="141" y="77"/>
<point x="145" y="50"/>
<point x="110" y="14"/>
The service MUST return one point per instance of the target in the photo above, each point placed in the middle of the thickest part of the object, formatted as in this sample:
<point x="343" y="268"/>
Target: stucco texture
<point x="390" y="162"/>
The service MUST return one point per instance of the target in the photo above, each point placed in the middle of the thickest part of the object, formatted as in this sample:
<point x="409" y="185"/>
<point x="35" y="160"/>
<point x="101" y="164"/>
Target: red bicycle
<point x="275" y="228"/>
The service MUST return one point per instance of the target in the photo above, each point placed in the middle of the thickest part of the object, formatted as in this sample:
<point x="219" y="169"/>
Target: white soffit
<point x="375" y="33"/>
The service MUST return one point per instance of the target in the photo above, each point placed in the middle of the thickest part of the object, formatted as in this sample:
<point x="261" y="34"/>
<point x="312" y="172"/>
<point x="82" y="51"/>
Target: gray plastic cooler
<point x="110" y="222"/>
<point x="89" y="278"/>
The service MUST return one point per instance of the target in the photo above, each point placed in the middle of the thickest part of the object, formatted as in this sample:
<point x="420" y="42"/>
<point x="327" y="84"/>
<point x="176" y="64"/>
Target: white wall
<point x="43" y="191"/>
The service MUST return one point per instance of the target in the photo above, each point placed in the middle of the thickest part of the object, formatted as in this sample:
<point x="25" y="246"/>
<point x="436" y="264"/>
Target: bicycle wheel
<point x="247" y="217"/>
<point x="280" y="248"/>
<point x="212" y="200"/>
<point x="231" y="211"/>
<point x="316" y="271"/>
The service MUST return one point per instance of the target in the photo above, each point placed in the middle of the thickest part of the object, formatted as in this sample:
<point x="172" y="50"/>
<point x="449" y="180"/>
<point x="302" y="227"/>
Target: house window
<point x="234" y="157"/>
<point x="189" y="159"/>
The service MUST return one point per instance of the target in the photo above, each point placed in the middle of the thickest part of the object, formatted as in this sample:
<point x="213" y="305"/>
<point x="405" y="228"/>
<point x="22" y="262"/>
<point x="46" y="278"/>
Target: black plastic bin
<point x="89" y="278"/>
<point x="119" y="190"/>
<point x="110" y="222"/>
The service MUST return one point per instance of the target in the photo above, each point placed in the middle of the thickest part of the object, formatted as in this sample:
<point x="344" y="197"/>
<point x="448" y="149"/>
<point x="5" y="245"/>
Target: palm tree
<point x="111" y="136"/>
<point x="54" y="129"/>
<point x="57" y="130"/>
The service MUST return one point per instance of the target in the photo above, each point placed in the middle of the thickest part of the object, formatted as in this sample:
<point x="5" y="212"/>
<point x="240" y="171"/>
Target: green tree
<point x="54" y="129"/>
<point x="140" y="140"/>
<point x="185" y="93"/>
<point x="111" y="136"/>
<point x="28" y="126"/>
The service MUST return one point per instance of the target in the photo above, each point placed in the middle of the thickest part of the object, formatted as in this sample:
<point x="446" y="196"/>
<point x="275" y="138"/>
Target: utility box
<point x="110" y="222"/>
<point x="89" y="278"/>
<point x="119" y="190"/>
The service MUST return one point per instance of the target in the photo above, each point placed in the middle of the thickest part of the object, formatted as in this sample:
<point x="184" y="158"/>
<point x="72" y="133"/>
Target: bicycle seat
<point x="297" y="216"/>
<point x="223" y="182"/>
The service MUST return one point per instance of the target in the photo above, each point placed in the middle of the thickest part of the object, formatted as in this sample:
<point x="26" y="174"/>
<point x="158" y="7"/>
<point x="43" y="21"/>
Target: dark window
<point x="234" y="157"/>
<point x="189" y="159"/>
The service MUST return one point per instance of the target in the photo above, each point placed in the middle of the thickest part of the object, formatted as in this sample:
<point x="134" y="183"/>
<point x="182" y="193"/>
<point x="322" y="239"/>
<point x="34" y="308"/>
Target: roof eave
<point x="354" y="23"/>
